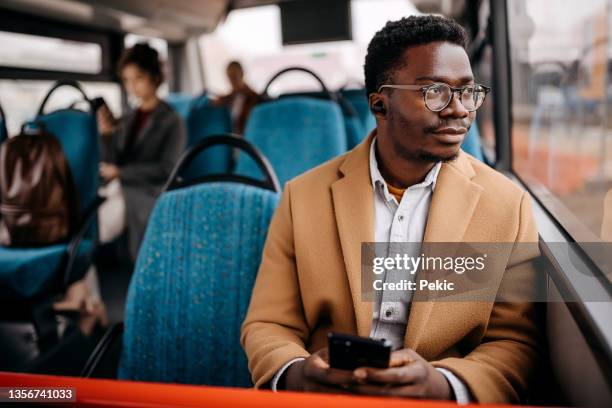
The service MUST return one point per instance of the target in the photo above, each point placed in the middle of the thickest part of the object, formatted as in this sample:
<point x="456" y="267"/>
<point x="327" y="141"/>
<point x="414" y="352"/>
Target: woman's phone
<point x="348" y="352"/>
<point x="97" y="103"/>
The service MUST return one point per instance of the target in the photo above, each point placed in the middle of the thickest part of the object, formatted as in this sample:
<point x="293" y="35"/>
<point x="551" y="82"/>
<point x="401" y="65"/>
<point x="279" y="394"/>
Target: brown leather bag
<point x="38" y="200"/>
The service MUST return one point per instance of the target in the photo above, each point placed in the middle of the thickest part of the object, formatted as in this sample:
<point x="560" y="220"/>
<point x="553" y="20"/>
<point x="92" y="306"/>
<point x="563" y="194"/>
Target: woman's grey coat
<point x="143" y="174"/>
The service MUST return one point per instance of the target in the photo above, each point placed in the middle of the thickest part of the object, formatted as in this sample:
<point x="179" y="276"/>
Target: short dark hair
<point x="388" y="45"/>
<point x="235" y="64"/>
<point x="144" y="57"/>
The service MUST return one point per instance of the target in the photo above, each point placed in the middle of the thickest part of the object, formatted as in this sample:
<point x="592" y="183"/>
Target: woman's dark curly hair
<point x="144" y="57"/>
<point x="388" y="45"/>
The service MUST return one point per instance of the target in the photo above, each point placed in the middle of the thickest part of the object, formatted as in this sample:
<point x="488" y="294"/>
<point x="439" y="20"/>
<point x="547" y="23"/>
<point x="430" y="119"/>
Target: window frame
<point x="591" y="317"/>
<point x="110" y="42"/>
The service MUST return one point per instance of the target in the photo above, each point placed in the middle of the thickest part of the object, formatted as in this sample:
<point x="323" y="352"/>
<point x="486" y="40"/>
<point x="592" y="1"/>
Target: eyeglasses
<point x="437" y="96"/>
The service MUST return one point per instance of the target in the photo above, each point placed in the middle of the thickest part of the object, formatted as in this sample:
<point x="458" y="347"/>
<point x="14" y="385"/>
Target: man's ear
<point x="377" y="105"/>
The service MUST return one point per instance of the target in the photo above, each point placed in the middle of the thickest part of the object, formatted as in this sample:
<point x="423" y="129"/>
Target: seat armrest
<point x="76" y="240"/>
<point x="100" y="352"/>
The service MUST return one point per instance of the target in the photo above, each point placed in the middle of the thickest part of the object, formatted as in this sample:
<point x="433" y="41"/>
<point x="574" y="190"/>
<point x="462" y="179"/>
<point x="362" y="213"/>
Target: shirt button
<point x="400" y="218"/>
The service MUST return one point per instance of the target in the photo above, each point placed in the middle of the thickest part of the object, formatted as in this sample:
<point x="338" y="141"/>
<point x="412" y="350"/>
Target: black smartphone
<point x="348" y="352"/>
<point x="97" y="103"/>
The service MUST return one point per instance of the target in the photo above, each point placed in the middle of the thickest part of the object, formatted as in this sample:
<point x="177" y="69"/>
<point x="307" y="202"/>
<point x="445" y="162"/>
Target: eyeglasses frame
<point x="425" y="88"/>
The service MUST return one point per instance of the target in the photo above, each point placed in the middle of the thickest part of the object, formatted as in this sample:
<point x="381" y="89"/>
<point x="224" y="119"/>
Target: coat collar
<point x="156" y="117"/>
<point x="452" y="206"/>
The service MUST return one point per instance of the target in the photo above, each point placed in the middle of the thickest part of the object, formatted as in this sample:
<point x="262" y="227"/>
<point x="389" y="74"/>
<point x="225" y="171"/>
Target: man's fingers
<point x="403" y="357"/>
<point x="406" y="374"/>
<point x="316" y="369"/>
<point x="414" y="391"/>
<point x="312" y="386"/>
<point x="319" y="361"/>
<point x="329" y="375"/>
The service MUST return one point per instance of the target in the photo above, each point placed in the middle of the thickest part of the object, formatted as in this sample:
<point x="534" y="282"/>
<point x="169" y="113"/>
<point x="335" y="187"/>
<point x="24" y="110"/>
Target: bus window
<point x="561" y="97"/>
<point x="21" y="98"/>
<point x="253" y="36"/>
<point x="481" y="55"/>
<point x="47" y="53"/>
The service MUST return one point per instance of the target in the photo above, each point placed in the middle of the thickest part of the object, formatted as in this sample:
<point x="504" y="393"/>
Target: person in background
<point x="138" y="150"/>
<point x="240" y="100"/>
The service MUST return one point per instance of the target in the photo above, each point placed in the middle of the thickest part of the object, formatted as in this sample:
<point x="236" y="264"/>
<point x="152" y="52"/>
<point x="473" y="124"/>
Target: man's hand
<point x="315" y="375"/>
<point x="108" y="171"/>
<point x="409" y="375"/>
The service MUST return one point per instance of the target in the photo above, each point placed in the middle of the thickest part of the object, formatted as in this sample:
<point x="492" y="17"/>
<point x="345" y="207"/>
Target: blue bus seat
<point x="295" y="134"/>
<point x="180" y="102"/>
<point x="26" y="272"/>
<point x="472" y="144"/>
<point x="194" y="275"/>
<point x="203" y="121"/>
<point x="355" y="132"/>
<point x="3" y="130"/>
<point x="77" y="132"/>
<point x="359" y="100"/>
<point x="353" y="126"/>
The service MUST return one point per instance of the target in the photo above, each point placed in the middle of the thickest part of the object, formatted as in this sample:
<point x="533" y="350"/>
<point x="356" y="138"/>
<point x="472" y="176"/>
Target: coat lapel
<point x="452" y="205"/>
<point x="354" y="211"/>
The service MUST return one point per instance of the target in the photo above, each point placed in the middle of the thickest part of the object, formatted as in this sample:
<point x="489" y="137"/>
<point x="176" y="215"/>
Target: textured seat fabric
<point x="192" y="285"/>
<point x="355" y="132"/>
<point x="26" y="272"/>
<point x="359" y="100"/>
<point x="295" y="134"/>
<point x="77" y="132"/>
<point x="181" y="103"/>
<point x="471" y="144"/>
<point x="205" y="120"/>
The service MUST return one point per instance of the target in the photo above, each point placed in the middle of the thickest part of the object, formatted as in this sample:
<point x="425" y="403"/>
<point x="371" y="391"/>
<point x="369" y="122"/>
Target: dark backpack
<point x="38" y="199"/>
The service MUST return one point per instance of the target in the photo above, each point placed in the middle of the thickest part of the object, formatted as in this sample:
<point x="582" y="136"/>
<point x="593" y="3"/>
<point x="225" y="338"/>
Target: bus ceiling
<point x="174" y="21"/>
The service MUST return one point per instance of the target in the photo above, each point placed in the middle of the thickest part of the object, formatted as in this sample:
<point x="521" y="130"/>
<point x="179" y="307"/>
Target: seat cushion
<point x="27" y="272"/>
<point x="192" y="285"/>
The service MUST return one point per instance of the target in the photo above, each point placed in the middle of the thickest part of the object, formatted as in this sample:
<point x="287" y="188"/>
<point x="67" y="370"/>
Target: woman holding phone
<point x="138" y="150"/>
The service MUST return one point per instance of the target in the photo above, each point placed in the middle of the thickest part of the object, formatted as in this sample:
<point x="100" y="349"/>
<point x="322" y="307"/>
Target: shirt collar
<point x="378" y="180"/>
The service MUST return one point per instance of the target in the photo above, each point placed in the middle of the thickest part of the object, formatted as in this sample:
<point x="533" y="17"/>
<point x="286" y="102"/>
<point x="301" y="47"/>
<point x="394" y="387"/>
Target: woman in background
<point x="138" y="150"/>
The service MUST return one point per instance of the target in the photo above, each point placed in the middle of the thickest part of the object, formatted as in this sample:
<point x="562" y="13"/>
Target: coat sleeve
<point x="109" y="152"/>
<point x="172" y="144"/>
<point x="500" y="369"/>
<point x="275" y="329"/>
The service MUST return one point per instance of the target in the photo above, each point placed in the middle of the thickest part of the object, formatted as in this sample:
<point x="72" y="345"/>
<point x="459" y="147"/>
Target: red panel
<point x="114" y="393"/>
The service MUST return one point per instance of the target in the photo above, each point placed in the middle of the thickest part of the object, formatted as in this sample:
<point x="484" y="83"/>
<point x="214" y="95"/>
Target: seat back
<point x="28" y="272"/>
<point x="180" y="102"/>
<point x="193" y="279"/>
<point x="359" y="100"/>
<point x="3" y="131"/>
<point x="203" y="121"/>
<point x="472" y="144"/>
<point x="353" y="127"/>
<point x="295" y="134"/>
<point x="77" y="132"/>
